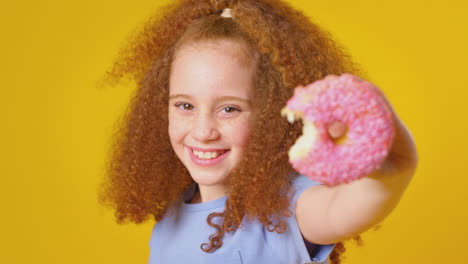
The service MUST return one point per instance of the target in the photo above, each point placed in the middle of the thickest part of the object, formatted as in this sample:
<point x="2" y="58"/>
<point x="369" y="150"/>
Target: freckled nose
<point x="205" y="128"/>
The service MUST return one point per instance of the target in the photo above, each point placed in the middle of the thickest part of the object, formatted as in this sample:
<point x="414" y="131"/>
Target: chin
<point x="207" y="179"/>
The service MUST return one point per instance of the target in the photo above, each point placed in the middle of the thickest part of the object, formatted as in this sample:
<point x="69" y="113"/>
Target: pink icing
<point x="360" y="105"/>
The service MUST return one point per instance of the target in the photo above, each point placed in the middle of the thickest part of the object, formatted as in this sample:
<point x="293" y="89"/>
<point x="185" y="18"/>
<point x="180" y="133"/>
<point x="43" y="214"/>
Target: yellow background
<point x="56" y="124"/>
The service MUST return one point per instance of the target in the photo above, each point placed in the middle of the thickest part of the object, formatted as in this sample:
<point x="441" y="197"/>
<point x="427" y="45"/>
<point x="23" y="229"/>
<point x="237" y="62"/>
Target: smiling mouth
<point x="208" y="155"/>
<point x="207" y="159"/>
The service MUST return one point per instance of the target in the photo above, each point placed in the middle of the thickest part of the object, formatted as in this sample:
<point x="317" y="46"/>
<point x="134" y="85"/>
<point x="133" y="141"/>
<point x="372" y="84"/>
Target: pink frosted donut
<point x="370" y="129"/>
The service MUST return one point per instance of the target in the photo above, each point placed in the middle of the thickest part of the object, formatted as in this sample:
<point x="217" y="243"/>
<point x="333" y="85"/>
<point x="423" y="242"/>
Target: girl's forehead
<point x="234" y="48"/>
<point x="206" y="72"/>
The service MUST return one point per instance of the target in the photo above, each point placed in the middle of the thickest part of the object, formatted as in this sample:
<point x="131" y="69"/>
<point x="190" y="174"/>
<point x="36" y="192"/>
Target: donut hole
<point x="338" y="127"/>
<point x="340" y="141"/>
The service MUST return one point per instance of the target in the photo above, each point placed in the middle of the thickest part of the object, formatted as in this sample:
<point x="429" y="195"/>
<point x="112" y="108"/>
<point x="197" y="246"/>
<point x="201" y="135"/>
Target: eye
<point x="185" y="106"/>
<point x="231" y="109"/>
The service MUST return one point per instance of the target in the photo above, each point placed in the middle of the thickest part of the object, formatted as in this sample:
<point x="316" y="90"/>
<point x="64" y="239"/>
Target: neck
<point x="205" y="194"/>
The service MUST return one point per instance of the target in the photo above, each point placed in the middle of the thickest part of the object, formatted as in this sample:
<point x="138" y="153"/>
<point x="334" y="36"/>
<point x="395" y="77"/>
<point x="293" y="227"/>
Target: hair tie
<point x="227" y="12"/>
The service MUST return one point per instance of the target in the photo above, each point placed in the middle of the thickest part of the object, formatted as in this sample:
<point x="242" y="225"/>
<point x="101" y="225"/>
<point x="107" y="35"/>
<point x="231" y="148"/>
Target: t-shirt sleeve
<point x="318" y="253"/>
<point x="153" y="231"/>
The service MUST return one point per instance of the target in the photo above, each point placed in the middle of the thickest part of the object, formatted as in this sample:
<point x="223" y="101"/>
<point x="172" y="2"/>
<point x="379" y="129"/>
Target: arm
<point x="327" y="215"/>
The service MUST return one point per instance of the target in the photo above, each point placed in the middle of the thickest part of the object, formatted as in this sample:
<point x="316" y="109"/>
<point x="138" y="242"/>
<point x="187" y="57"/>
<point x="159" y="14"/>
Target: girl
<point x="203" y="149"/>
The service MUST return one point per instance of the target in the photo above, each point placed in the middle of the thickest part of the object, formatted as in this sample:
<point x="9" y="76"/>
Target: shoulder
<point x="291" y="245"/>
<point x="299" y="184"/>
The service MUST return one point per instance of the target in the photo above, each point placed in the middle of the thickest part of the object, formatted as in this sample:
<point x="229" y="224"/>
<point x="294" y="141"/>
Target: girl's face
<point x="210" y="110"/>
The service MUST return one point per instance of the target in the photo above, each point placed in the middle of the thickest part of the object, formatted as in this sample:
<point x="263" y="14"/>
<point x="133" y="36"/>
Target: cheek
<point x="240" y="133"/>
<point x="175" y="129"/>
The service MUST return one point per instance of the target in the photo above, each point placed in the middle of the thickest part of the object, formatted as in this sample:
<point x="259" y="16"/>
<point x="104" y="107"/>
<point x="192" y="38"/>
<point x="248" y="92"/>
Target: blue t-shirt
<point x="178" y="236"/>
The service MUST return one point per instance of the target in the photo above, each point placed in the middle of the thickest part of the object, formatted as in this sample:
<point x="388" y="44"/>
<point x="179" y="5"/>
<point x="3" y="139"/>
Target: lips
<point x="208" y="150"/>
<point x="209" y="162"/>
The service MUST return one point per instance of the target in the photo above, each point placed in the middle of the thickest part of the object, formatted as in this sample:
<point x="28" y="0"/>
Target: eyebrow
<point x="220" y="99"/>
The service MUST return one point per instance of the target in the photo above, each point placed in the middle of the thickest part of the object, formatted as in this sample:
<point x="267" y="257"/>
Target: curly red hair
<point x="144" y="177"/>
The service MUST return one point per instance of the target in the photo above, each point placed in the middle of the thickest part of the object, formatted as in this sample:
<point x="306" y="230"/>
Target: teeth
<point x="207" y="155"/>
